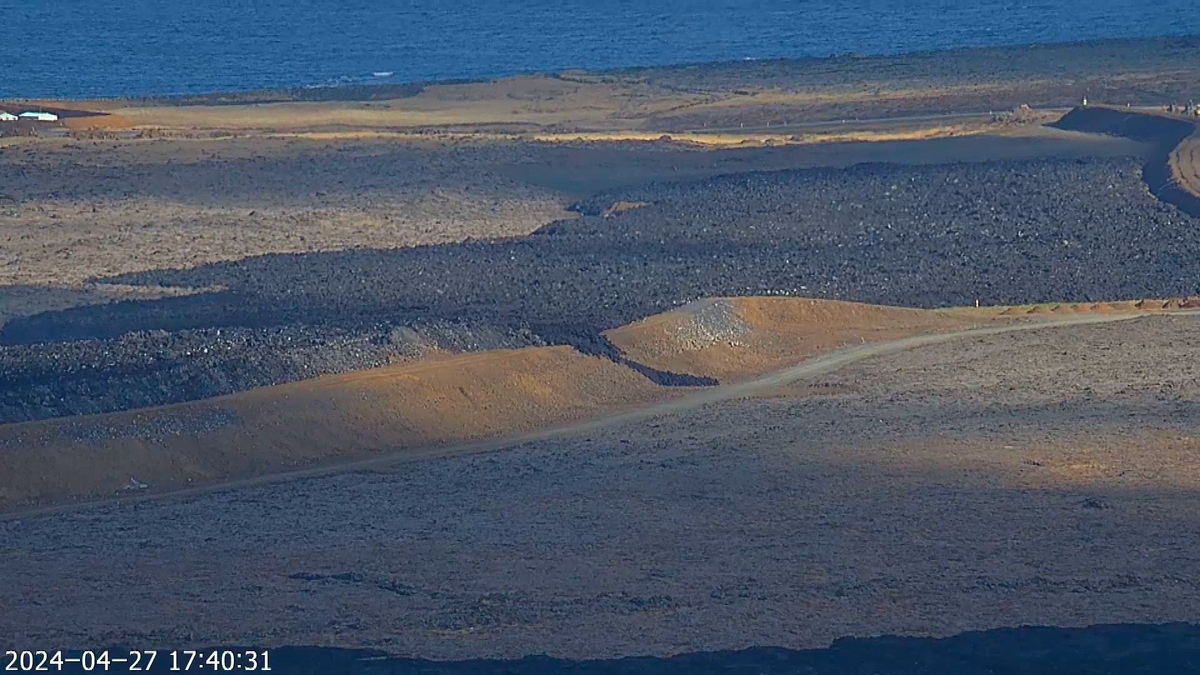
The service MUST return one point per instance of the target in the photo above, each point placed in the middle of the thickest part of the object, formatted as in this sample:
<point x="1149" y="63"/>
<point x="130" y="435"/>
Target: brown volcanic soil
<point x="342" y="417"/>
<point x="999" y="232"/>
<point x="732" y="338"/>
<point x="706" y="96"/>
<point x="1185" y="164"/>
<point x="74" y="211"/>
<point x="994" y="482"/>
<point x="70" y="211"/>
<point x="438" y="400"/>
<point x="1048" y="478"/>
<point x="1154" y="71"/>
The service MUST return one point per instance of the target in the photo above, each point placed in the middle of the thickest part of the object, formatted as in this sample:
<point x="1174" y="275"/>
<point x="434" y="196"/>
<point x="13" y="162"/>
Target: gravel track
<point x="1007" y="232"/>
<point x="831" y="365"/>
<point x="930" y="495"/>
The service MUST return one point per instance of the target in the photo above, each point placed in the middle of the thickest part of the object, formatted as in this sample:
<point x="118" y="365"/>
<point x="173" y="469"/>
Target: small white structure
<point x="7" y="117"/>
<point x="39" y="116"/>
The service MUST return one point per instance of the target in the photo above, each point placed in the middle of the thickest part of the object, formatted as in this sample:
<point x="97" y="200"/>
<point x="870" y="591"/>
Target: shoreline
<point x="366" y="91"/>
<point x="776" y="352"/>
<point x="963" y="90"/>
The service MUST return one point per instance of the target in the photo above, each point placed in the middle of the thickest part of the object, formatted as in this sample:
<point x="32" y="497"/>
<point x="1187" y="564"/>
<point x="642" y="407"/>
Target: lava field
<point x="929" y="236"/>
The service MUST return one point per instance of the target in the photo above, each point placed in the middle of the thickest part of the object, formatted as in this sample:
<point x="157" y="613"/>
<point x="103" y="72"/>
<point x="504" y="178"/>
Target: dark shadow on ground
<point x="1095" y="650"/>
<point x="1164" y="133"/>
<point x="931" y="236"/>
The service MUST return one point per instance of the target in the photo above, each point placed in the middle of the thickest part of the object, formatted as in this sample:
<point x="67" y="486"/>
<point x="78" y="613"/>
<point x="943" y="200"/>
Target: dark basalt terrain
<point x="1095" y="650"/>
<point x="931" y="236"/>
<point x="155" y="367"/>
<point x="1038" y="478"/>
<point x="1163" y="133"/>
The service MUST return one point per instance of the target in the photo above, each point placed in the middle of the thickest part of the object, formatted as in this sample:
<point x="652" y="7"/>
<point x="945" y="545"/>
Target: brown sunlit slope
<point x="1185" y="164"/>
<point x="415" y="408"/>
<point x="730" y="338"/>
<point x="1038" y="478"/>
<point x="294" y="425"/>
<point x="440" y="400"/>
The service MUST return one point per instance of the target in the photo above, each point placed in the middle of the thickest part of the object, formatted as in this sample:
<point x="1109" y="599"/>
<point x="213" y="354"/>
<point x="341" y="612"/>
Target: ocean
<point x="81" y="48"/>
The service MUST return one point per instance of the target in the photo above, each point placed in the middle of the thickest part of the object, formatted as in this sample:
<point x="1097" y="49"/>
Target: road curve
<point x="820" y="365"/>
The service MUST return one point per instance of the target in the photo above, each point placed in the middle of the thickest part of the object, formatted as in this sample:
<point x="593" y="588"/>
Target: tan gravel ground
<point x="1047" y="477"/>
<point x="74" y="211"/>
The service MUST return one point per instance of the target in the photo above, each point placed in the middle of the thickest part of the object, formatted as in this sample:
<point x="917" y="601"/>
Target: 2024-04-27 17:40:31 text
<point x="178" y="660"/>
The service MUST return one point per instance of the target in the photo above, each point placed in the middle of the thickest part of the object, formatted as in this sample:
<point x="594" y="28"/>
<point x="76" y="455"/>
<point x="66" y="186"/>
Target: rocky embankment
<point x="999" y="233"/>
<point x="1170" y="172"/>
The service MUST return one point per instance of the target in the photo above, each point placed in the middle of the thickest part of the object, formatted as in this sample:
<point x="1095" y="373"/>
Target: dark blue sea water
<point x="134" y="47"/>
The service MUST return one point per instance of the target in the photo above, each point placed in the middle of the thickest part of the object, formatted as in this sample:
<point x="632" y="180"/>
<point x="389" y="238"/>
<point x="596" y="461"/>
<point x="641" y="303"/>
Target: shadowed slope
<point x="1118" y="649"/>
<point x="422" y="410"/>
<point x="1173" y="170"/>
<point x="996" y="232"/>
<point x="437" y="400"/>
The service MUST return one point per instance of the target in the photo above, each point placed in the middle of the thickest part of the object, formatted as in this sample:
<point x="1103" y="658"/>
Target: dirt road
<point x="998" y="478"/>
<point x="819" y="366"/>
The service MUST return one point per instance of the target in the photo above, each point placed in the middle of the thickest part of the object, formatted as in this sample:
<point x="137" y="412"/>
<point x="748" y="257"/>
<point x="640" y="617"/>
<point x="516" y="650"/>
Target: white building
<point x="7" y="117"/>
<point x="39" y="116"/>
